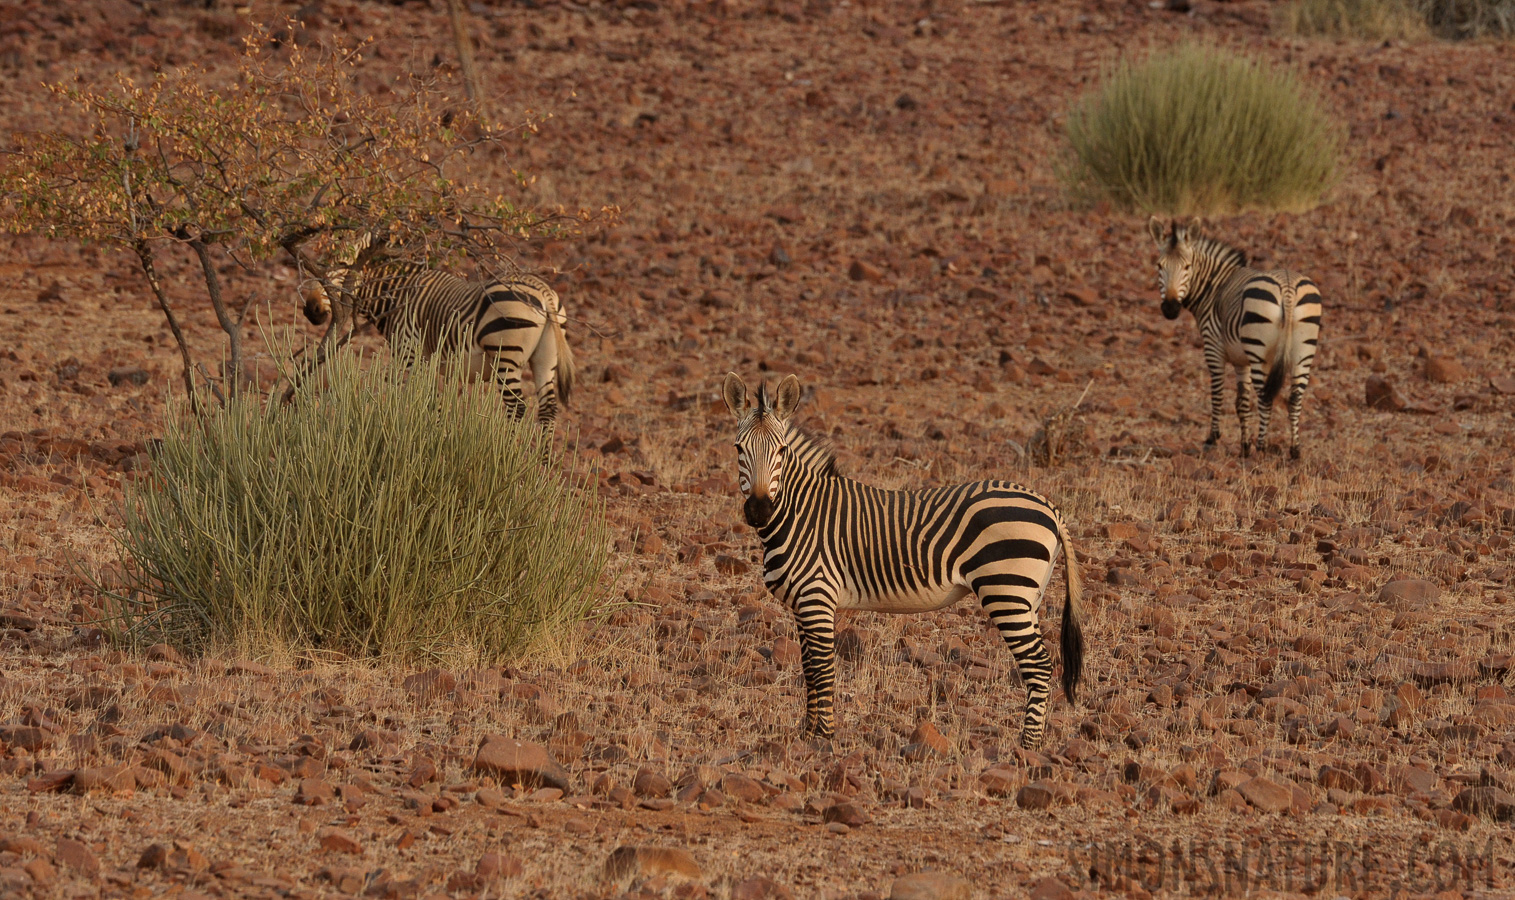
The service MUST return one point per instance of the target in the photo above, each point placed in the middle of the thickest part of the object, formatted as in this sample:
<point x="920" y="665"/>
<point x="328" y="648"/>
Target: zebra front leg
<point x="816" y="617"/>
<point x="1019" y="627"/>
<point x="1244" y="412"/>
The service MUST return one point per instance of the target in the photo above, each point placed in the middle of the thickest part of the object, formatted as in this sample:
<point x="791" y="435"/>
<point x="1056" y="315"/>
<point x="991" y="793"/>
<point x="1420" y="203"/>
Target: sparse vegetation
<point x="378" y="517"/>
<point x="1201" y="130"/>
<point x="1405" y="19"/>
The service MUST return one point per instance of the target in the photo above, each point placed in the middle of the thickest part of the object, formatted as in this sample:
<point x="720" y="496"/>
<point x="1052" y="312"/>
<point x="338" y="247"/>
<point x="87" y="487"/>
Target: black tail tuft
<point x="1072" y="641"/>
<point x="1276" y="376"/>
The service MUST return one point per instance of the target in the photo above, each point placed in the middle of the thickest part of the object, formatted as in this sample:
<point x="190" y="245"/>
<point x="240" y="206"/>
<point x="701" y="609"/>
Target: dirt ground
<point x="864" y="194"/>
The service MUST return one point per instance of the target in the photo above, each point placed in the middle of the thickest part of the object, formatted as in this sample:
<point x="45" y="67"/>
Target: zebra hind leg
<point x="1296" y="402"/>
<point x="1017" y="624"/>
<point x="1244" y="413"/>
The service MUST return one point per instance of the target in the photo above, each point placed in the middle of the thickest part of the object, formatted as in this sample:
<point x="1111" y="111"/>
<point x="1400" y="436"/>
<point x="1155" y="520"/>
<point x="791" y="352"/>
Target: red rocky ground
<point x="1299" y="674"/>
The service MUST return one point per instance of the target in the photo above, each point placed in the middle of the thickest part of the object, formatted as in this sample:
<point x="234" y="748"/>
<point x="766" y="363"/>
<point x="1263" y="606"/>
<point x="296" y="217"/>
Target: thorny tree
<point x="287" y="150"/>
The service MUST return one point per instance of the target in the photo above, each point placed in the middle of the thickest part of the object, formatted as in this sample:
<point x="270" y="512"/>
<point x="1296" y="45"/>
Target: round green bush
<point x="394" y="511"/>
<point x="1200" y="130"/>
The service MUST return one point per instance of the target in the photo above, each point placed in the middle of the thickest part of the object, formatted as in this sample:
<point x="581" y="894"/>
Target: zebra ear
<point x="788" y="397"/>
<point x="734" y="392"/>
<point x="1155" y="228"/>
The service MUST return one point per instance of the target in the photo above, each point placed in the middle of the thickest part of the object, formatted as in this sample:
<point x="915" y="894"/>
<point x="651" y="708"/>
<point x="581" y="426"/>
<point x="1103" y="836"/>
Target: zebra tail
<point x="1282" y="360"/>
<point x="1073" y="618"/>
<point x="567" y="370"/>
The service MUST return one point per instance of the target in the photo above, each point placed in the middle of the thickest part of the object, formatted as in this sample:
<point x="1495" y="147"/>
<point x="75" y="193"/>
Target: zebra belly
<point x="924" y="599"/>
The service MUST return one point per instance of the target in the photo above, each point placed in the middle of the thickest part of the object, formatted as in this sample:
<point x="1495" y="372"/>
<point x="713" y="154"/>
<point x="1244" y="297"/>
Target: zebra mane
<point x="1219" y="250"/>
<point x="813" y="451"/>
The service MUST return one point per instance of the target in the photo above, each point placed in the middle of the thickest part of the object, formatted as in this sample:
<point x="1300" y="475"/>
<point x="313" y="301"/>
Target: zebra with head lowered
<point x="1263" y="322"/>
<point x="832" y="543"/>
<point x="506" y="323"/>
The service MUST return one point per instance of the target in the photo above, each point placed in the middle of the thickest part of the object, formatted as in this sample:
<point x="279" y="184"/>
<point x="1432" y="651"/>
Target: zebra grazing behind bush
<point x="506" y="323"/>
<point x="1263" y="322"/>
<point x="832" y="543"/>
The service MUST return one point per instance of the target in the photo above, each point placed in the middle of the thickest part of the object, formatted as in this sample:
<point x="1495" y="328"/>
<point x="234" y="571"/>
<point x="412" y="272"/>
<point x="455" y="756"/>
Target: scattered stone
<point x="742" y="788"/>
<point x="314" y="792"/>
<point x="133" y="375"/>
<point x="1445" y="370"/>
<point x="846" y="813"/>
<point x="519" y="762"/>
<point x="999" y="782"/>
<point x="153" y="856"/>
<point x="651" y="784"/>
<point x="78" y="856"/>
<point x="431" y="685"/>
<point x="103" y="778"/>
<point x="760" y="888"/>
<point x="1036" y="795"/>
<point x="1485" y="800"/>
<point x="493" y="866"/>
<point x="27" y="737"/>
<point x="1409" y="591"/>
<point x="1382" y="394"/>
<point x="927" y="735"/>
<point x="646" y="862"/>
<point x="1266" y="795"/>
<point x="335" y="840"/>
<point x="1340" y="779"/>
<point x="1050" y="888"/>
<point x="930" y="886"/>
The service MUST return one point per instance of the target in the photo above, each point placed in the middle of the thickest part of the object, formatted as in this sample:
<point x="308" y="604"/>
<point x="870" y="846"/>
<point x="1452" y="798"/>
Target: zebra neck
<point x="799" y="483"/>
<point x="1209" y="280"/>
<point x="378" y="288"/>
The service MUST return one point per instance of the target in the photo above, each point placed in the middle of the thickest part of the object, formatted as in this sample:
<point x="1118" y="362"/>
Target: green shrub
<point x="393" y="512"/>
<point x="1198" y="130"/>
<point x="1408" y="19"/>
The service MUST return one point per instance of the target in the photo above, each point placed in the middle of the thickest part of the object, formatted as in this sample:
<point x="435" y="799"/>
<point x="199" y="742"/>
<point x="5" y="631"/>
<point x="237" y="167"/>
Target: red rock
<point x="1036" y="795"/>
<point x="1382" y="394"/>
<point x="730" y="565"/>
<point x="1445" y="370"/>
<point x="848" y="814"/>
<point x="930" y="886"/>
<point x="520" y="762"/>
<point x="169" y="763"/>
<point x="153" y="856"/>
<point x="861" y="271"/>
<point x="1431" y="674"/>
<point x="56" y="780"/>
<point x="651" y="784"/>
<point x="1485" y="800"/>
<point x="78" y="856"/>
<point x="647" y="862"/>
<point x="1268" y="796"/>
<point x="335" y="840"/>
<point x="1409" y="591"/>
<point x="493" y="866"/>
<point x="1333" y="777"/>
<point x="926" y="734"/>
<point x="103" y="778"/>
<point x="741" y="787"/>
<point x="314" y="792"/>
<point x="1050" y="888"/>
<point x="23" y="846"/>
<point x="760" y="888"/>
<point x="433" y="684"/>
<point x="1503" y="384"/>
<point x="1082" y="296"/>
<point x="26" y="737"/>
<point x="999" y="782"/>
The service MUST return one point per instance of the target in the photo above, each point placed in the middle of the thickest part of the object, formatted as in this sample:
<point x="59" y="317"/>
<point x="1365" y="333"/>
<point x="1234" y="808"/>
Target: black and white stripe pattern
<point x="1265" y="323"/>
<point x="506" y="323"/>
<point x="832" y="543"/>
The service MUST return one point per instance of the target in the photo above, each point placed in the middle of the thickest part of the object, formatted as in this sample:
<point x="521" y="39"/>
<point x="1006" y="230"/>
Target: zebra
<point x="831" y="543"/>
<point x="1265" y="321"/>
<point x="506" y="322"/>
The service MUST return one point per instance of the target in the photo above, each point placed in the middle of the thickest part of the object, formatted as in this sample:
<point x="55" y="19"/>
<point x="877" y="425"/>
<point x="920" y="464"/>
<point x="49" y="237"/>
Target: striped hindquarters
<point x="1279" y="329"/>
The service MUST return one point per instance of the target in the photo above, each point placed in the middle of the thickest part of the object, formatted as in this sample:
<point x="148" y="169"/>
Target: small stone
<point x="847" y="813"/>
<point x="1485" y="800"/>
<point x="1050" y="888"/>
<point x="1382" y="394"/>
<point x="1036" y="795"/>
<point x="926" y="733"/>
<point x="133" y="375"/>
<point x="1445" y="370"/>
<point x="1409" y="591"/>
<point x="1266" y="795"/>
<point x="646" y="862"/>
<point x="742" y="788"/>
<point x="520" y="762"/>
<point x="335" y="840"/>
<point x="861" y="271"/>
<point x="76" y="855"/>
<point x="153" y="856"/>
<point x="730" y="565"/>
<point x="930" y="886"/>
<point x="314" y="792"/>
<point x="433" y="684"/>
<point x="651" y="784"/>
<point x="1331" y="777"/>
<point x="999" y="782"/>
<point x="760" y="888"/>
<point x="492" y="866"/>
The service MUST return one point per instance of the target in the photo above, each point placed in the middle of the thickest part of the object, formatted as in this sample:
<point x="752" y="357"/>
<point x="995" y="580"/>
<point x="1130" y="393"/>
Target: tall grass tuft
<point x="1403" y="19"/>
<point x="394" y="512"/>
<point x="1200" y="130"/>
<point x="1374" y="20"/>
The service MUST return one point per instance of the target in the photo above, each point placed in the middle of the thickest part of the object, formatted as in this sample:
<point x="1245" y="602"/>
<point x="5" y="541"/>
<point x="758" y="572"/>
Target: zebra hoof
<point x="1294" y="452"/>
<point x="1246" y="450"/>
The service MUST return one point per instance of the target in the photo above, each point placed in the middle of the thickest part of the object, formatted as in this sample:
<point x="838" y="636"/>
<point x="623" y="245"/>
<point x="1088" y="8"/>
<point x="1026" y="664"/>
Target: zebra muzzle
<point x="1171" y="309"/>
<point x="757" y="511"/>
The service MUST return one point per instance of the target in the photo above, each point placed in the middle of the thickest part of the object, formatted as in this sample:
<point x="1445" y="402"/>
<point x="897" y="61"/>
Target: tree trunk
<point x="232" y="327"/>
<point x="145" y="256"/>
<point x="464" y="41"/>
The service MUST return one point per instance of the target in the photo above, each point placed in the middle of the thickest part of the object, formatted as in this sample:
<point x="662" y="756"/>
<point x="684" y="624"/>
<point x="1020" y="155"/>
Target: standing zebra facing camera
<point x="506" y="323"/>
<point x="1263" y="322"/>
<point x="832" y="543"/>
